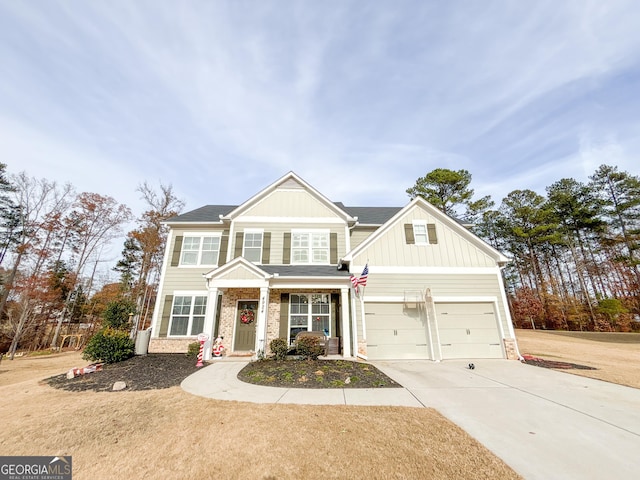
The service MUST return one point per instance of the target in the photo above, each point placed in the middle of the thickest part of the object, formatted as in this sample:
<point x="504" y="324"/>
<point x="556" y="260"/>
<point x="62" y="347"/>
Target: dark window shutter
<point x="266" y="248"/>
<point x="431" y="233"/>
<point x="239" y="240"/>
<point x="408" y="233"/>
<point x="284" y="316"/>
<point x="333" y="248"/>
<point x="166" y="315"/>
<point x="224" y="246"/>
<point x="177" y="249"/>
<point x="286" y="249"/>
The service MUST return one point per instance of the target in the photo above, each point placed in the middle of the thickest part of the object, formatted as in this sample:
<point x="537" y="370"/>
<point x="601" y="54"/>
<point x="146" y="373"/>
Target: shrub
<point x="279" y="348"/>
<point x="109" y="345"/>
<point x="309" y="348"/>
<point x="193" y="349"/>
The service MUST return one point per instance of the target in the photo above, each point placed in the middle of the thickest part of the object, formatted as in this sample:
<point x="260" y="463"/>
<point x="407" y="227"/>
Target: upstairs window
<point x="252" y="248"/>
<point x="201" y="250"/>
<point x="310" y="247"/>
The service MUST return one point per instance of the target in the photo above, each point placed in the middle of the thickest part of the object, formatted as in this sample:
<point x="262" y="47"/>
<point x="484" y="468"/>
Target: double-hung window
<point x="420" y="233"/>
<point x="187" y="315"/>
<point x="252" y="248"/>
<point x="200" y="250"/>
<point x="309" y="247"/>
<point x="309" y="312"/>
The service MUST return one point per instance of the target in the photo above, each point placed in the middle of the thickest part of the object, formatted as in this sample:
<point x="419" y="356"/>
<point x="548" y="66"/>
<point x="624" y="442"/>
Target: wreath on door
<point x="247" y="316"/>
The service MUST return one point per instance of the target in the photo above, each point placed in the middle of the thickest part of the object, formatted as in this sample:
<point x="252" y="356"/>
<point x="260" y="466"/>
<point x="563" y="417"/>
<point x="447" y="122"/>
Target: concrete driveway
<point x="543" y="423"/>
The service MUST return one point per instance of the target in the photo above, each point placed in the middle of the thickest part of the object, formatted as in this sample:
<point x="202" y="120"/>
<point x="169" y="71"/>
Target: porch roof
<point x="304" y="270"/>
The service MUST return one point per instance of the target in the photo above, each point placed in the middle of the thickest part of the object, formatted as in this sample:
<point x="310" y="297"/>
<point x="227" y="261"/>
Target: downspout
<point x="507" y="312"/>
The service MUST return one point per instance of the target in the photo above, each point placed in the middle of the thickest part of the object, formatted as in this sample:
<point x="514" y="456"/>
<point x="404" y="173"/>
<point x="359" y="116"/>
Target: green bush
<point x="110" y="346"/>
<point x="279" y="348"/>
<point x="193" y="349"/>
<point x="309" y="348"/>
<point x="116" y="315"/>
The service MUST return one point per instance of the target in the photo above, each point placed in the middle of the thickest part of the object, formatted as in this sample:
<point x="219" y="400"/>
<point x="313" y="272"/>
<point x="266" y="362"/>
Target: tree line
<point x="574" y="251"/>
<point x="52" y="239"/>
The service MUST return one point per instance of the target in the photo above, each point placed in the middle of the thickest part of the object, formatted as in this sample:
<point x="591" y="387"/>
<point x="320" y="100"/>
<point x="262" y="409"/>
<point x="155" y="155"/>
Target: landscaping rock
<point x="119" y="386"/>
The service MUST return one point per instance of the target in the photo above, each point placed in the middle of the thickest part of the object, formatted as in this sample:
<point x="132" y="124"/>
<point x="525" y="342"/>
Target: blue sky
<point x="359" y="98"/>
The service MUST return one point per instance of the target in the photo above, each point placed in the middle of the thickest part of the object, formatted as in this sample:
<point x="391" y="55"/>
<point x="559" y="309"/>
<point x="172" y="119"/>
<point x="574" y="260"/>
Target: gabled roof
<point x="289" y="177"/>
<point x="238" y="262"/>
<point x="446" y="219"/>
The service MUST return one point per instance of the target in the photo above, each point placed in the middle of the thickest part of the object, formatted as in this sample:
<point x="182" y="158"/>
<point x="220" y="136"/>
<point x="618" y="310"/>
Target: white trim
<point x="429" y="270"/>
<point x="310" y="313"/>
<point x="422" y="223"/>
<point x="344" y="317"/>
<point x="474" y="299"/>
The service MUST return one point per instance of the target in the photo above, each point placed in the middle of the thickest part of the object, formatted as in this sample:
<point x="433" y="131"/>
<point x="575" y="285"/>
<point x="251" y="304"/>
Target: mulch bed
<point x="147" y="372"/>
<point x="541" y="362"/>
<point x="315" y="374"/>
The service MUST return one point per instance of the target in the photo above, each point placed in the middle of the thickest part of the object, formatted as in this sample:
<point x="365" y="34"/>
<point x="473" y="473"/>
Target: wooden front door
<point x="246" y="320"/>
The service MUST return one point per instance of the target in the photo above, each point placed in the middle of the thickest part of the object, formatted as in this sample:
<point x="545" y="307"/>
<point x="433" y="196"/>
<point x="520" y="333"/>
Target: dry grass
<point x="171" y="434"/>
<point x="615" y="358"/>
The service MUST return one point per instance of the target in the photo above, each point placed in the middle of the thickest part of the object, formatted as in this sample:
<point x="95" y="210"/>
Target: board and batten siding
<point x="466" y="285"/>
<point x="360" y="234"/>
<point x="451" y="249"/>
<point x="290" y="203"/>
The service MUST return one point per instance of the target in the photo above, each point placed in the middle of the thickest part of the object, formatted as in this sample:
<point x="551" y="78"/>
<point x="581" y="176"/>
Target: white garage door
<point x="394" y="332"/>
<point x="468" y="330"/>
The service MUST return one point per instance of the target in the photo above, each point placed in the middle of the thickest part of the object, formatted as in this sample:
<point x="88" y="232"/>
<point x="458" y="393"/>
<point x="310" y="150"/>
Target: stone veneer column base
<point x="510" y="348"/>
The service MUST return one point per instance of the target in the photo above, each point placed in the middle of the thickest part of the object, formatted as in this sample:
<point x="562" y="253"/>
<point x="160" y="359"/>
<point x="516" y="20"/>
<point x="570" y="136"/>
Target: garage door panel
<point x="468" y="330"/>
<point x="394" y="332"/>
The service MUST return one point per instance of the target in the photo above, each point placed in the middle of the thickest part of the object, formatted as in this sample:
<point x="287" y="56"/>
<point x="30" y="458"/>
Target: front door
<point x="246" y="320"/>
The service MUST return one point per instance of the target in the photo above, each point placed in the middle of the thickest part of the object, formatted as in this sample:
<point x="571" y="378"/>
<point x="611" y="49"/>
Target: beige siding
<point x="278" y="230"/>
<point x="452" y="249"/>
<point x="239" y="273"/>
<point x="290" y="203"/>
<point x="360" y="234"/>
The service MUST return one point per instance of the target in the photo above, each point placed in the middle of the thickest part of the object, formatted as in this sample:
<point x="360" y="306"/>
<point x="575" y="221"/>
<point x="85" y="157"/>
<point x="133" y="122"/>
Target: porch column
<point x="261" y="327"/>
<point x="209" y="321"/>
<point x="345" y="324"/>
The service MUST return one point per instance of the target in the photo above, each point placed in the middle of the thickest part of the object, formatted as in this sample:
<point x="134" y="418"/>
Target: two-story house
<point x="282" y="262"/>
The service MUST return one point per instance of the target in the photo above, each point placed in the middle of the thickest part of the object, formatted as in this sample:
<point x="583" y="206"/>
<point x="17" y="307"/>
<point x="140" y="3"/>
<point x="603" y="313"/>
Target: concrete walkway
<point x="543" y="423"/>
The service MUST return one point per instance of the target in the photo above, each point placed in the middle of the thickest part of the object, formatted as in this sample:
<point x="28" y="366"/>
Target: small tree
<point x="117" y="313"/>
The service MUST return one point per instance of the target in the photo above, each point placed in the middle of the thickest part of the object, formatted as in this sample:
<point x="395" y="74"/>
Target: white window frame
<point x="190" y="314"/>
<point x="416" y="234"/>
<point x="310" y="248"/>
<point x="201" y="236"/>
<point x="253" y="231"/>
<point x="310" y="314"/>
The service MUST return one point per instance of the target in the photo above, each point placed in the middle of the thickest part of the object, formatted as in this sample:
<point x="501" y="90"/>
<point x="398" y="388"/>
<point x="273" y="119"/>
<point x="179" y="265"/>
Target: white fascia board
<point x="429" y="270"/>
<point x="465" y="299"/>
<point x="248" y="283"/>
<point x="190" y="224"/>
<point x="307" y="283"/>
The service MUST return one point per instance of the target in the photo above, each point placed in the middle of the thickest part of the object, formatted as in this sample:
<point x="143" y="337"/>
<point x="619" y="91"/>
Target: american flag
<point x="363" y="277"/>
<point x="354" y="282"/>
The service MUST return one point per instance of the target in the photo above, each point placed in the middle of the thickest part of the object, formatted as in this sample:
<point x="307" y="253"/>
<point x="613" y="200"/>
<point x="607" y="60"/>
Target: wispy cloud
<point x="221" y="98"/>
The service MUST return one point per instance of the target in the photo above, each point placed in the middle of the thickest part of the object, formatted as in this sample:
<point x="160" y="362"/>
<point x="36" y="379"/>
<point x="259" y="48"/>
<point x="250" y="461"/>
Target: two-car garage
<point x="459" y="330"/>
